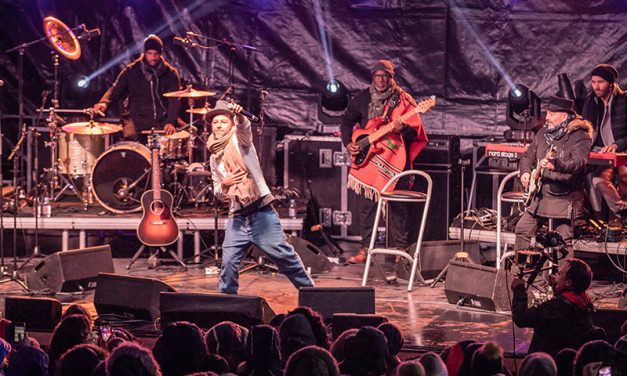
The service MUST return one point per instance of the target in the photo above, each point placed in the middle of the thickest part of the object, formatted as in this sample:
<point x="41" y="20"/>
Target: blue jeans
<point x="263" y="229"/>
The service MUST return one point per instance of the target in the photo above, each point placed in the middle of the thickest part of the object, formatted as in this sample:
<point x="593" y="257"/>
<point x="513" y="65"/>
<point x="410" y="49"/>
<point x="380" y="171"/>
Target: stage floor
<point x="425" y="317"/>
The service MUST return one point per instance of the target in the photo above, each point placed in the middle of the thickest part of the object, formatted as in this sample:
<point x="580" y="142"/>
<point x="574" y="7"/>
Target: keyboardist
<point x="606" y="108"/>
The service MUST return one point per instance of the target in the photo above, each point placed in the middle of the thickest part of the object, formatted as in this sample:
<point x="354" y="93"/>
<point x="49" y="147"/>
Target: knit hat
<point x="384" y="65"/>
<point x="606" y="72"/>
<point x="153" y="42"/>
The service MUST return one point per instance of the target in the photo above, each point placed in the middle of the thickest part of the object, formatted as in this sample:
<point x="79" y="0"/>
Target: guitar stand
<point x="162" y="249"/>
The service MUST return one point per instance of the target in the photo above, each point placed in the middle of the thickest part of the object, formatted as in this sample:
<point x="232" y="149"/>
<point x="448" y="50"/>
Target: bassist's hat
<point x="559" y="104"/>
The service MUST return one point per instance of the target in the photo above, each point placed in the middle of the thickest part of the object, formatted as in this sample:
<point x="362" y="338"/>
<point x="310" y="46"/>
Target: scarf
<point x="553" y="134"/>
<point x="580" y="300"/>
<point x="378" y="99"/>
<point x="226" y="151"/>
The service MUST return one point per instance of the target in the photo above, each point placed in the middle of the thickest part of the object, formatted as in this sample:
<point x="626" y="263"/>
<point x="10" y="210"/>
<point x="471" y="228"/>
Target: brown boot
<point x="359" y="258"/>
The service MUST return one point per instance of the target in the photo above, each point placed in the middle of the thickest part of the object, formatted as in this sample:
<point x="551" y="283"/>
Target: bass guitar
<point x="157" y="227"/>
<point x="366" y="138"/>
<point x="535" y="179"/>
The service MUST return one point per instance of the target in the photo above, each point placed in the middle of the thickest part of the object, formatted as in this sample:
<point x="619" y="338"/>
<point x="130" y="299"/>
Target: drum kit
<point x="116" y="176"/>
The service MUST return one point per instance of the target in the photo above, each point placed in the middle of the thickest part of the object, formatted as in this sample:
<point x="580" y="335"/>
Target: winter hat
<point x="384" y="65"/>
<point x="153" y="42"/>
<point x="132" y="359"/>
<point x="606" y="72"/>
<point x="538" y="364"/>
<point x="311" y="361"/>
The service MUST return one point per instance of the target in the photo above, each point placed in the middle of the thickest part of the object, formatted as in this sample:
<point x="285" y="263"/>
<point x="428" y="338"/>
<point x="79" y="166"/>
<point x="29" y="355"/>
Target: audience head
<point x="80" y="360"/>
<point x="565" y="361"/>
<point x="575" y="275"/>
<point x="131" y="359"/>
<point x="311" y="361"/>
<point x="433" y="364"/>
<point x="469" y="351"/>
<point x="28" y="361"/>
<point x="295" y="333"/>
<point x="343" y="341"/>
<point x="71" y="331"/>
<point x="487" y="360"/>
<point x="538" y="364"/>
<point x="367" y="354"/>
<point x="590" y="352"/>
<point x="453" y="356"/>
<point x="215" y="363"/>
<point x="410" y="368"/>
<point x="77" y="309"/>
<point x="394" y="337"/>
<point x="264" y="351"/>
<point x="180" y="349"/>
<point x="620" y="353"/>
<point x="228" y="340"/>
<point x="319" y="328"/>
<point x="277" y="320"/>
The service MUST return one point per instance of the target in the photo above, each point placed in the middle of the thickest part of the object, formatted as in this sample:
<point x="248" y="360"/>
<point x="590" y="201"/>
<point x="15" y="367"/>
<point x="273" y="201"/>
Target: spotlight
<point x="523" y="112"/>
<point x="334" y="99"/>
<point x="82" y="82"/>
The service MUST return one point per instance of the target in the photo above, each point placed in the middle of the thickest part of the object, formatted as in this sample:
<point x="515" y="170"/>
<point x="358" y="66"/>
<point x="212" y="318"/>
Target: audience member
<point x="565" y="362"/>
<point x="410" y="368"/>
<point x="453" y="356"/>
<point x="590" y="352"/>
<point x="487" y="360"/>
<point x="80" y="360"/>
<point x="367" y="355"/>
<point x="538" y="364"/>
<point x="28" y="361"/>
<point x="311" y="361"/>
<point x="131" y="359"/>
<point x="180" y="349"/>
<point x="469" y="351"/>
<point x="433" y="364"/>
<point x="264" y="353"/>
<point x="395" y="342"/>
<point x="5" y="349"/>
<point x="71" y="331"/>
<point x="229" y="340"/>
<point x="343" y="341"/>
<point x="320" y="329"/>
<point x="77" y="309"/>
<point x="620" y="353"/>
<point x="295" y="333"/>
<point x="215" y="363"/>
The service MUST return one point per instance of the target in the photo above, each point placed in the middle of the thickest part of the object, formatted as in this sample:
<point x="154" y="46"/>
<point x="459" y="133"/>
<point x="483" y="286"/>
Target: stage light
<point x="523" y="111"/>
<point x="82" y="82"/>
<point x="334" y="98"/>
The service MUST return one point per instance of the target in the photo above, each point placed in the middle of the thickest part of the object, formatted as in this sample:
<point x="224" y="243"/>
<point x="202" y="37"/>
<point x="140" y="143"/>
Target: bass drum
<point x="120" y="177"/>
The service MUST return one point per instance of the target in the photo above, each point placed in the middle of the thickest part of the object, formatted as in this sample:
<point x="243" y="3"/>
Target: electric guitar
<point x="157" y="227"/>
<point x="535" y="179"/>
<point x="366" y="138"/>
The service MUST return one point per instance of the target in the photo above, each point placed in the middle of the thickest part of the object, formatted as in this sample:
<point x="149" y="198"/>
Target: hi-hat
<point x="199" y="111"/>
<point x="189" y="92"/>
<point x="177" y="135"/>
<point x="62" y="38"/>
<point x="91" y="128"/>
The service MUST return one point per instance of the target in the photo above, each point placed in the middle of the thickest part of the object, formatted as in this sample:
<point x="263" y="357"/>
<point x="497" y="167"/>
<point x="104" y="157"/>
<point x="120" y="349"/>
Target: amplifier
<point x="441" y="151"/>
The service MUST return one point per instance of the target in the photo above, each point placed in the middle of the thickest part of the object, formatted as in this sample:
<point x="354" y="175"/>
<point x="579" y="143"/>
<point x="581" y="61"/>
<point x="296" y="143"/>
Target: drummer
<point x="143" y="82"/>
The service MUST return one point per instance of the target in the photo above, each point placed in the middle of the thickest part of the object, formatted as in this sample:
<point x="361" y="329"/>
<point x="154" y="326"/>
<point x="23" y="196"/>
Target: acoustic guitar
<point x="157" y="227"/>
<point x="535" y="179"/>
<point x="366" y="138"/>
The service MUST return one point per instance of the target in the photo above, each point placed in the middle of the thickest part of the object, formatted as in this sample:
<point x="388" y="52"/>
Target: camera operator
<point x="565" y="321"/>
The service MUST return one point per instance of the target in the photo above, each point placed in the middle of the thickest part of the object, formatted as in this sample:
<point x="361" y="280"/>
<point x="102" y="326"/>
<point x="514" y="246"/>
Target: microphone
<point x="249" y="115"/>
<point x="89" y="34"/>
<point x="185" y="42"/>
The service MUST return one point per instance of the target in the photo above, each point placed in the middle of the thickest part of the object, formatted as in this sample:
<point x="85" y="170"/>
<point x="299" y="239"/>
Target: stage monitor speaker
<point x="477" y="286"/>
<point x="341" y="322"/>
<point x="39" y="314"/>
<point x="435" y="255"/>
<point x="610" y="320"/>
<point x="131" y="297"/>
<point x="311" y="255"/>
<point x="330" y="300"/>
<point x="206" y="310"/>
<point x="444" y="202"/>
<point x="74" y="270"/>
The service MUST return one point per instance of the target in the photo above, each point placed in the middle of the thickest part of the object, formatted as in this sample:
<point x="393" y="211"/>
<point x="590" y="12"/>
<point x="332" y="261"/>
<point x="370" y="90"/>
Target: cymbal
<point x="62" y="38"/>
<point x="177" y="135"/>
<point x="199" y="111"/>
<point x="91" y="128"/>
<point x="189" y="92"/>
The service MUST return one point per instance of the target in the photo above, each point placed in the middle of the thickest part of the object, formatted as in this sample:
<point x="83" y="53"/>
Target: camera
<point x="19" y="332"/>
<point x="105" y="332"/>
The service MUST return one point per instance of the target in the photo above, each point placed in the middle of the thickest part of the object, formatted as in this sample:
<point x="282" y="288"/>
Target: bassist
<point x="384" y="101"/>
<point x="561" y="194"/>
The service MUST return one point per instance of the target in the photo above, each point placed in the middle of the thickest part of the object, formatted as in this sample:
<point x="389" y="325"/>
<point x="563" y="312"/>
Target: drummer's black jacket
<point x="144" y="86"/>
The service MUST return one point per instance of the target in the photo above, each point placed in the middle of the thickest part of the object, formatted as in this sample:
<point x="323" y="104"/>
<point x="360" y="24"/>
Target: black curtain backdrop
<point x="466" y="53"/>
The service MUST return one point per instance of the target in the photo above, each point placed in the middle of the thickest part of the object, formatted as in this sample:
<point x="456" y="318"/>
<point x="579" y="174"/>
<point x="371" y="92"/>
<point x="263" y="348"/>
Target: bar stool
<point x="408" y="197"/>
<point x="512" y="197"/>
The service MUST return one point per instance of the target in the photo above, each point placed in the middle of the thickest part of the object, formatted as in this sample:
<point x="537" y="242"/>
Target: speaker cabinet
<point x="39" y="314"/>
<point x="73" y="270"/>
<point x="445" y="201"/>
<point x="477" y="286"/>
<point x="435" y="255"/>
<point x="311" y="255"/>
<point x="132" y="297"/>
<point x="206" y="310"/>
<point x="331" y="300"/>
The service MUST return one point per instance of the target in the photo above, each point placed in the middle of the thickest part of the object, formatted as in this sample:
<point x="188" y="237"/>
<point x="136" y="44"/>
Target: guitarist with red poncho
<point x="375" y="163"/>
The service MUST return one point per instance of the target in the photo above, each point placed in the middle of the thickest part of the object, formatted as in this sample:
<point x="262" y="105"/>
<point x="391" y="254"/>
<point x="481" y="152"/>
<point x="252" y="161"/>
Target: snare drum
<point x="78" y="153"/>
<point x="175" y="146"/>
